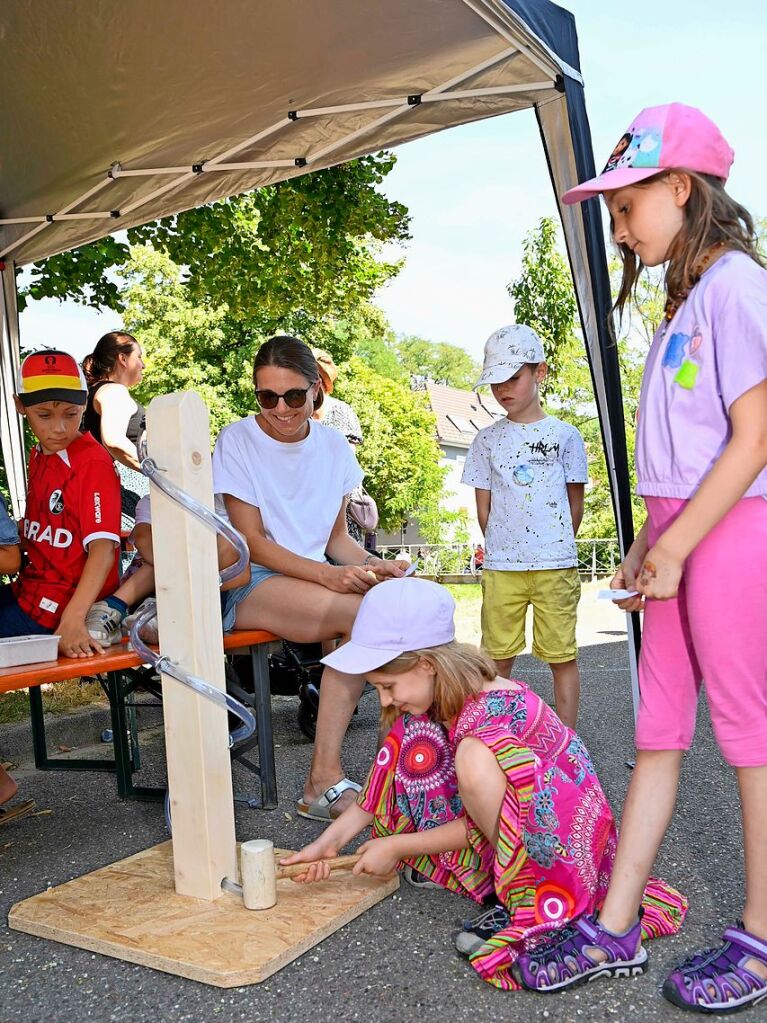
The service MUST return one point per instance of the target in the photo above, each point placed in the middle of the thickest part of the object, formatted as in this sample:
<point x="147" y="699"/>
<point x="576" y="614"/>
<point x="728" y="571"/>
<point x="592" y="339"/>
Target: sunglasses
<point x="294" y="398"/>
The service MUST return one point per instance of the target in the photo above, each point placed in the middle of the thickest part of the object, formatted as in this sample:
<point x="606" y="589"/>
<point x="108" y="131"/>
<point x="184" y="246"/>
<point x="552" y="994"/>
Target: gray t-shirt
<point x="526" y="467"/>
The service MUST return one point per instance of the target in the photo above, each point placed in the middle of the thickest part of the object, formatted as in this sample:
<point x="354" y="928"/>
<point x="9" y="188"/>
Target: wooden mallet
<point x="260" y="872"/>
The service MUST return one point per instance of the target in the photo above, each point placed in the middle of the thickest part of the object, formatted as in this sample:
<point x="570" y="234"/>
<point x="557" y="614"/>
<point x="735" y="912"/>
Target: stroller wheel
<point x="307" y="718"/>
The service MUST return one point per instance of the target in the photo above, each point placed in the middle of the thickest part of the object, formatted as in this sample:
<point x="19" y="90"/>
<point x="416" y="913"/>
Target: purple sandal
<point x="718" y="980"/>
<point x="565" y="961"/>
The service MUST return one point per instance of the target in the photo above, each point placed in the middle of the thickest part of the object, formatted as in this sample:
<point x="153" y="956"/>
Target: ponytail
<point x="103" y="359"/>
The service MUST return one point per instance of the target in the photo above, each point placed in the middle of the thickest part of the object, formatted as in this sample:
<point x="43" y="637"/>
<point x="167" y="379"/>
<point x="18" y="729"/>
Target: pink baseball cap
<point x="660" y="138"/>
<point x="395" y="616"/>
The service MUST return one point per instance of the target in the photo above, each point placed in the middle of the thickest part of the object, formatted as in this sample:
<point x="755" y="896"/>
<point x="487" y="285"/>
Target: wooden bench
<point x="124" y="673"/>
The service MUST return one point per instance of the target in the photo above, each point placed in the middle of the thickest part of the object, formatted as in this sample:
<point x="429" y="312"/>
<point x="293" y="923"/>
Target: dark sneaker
<point x="103" y="623"/>
<point x="581" y="952"/>
<point x="719" y="980"/>
<point x="417" y="879"/>
<point x="476" y="932"/>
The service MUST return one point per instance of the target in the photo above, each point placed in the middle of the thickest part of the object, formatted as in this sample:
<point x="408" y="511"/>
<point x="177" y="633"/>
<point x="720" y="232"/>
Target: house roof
<point x="461" y="414"/>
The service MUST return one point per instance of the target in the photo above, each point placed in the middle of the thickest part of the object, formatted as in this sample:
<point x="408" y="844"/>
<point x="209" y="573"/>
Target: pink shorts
<point x="714" y="633"/>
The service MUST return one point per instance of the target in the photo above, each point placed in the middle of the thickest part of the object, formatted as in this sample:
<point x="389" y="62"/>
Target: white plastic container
<point x="28" y="650"/>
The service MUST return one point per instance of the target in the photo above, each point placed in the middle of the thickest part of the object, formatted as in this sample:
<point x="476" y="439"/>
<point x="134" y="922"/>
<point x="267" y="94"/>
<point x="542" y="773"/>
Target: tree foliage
<point x="544" y="299"/>
<point x="400" y="454"/>
<point x="187" y="345"/>
<point x="436" y="361"/>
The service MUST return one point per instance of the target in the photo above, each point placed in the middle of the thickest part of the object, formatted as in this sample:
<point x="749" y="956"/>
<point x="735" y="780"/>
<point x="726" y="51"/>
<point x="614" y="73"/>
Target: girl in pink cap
<point x="478" y="787"/>
<point x="698" y="566"/>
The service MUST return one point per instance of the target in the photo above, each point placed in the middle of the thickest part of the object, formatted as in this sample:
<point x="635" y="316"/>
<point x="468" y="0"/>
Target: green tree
<point x="544" y="299"/>
<point x="187" y="345"/>
<point x="367" y="334"/>
<point x="400" y="454"/>
<point x="438" y="361"/>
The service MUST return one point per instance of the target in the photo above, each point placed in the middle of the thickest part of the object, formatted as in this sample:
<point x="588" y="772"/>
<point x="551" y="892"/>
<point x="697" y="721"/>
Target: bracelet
<point x="367" y="559"/>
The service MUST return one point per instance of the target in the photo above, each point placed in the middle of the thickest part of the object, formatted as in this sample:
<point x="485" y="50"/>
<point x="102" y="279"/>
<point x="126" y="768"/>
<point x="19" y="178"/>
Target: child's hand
<point x="76" y="641"/>
<point x="322" y="849"/>
<point x="660" y="574"/>
<point x="628" y="572"/>
<point x="624" y="580"/>
<point x="379" y="856"/>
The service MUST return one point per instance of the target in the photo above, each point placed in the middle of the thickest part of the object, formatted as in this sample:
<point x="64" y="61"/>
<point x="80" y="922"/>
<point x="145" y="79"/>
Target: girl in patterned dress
<point x="478" y="786"/>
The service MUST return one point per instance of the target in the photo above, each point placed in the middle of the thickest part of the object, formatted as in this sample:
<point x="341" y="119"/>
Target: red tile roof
<point x="461" y="414"/>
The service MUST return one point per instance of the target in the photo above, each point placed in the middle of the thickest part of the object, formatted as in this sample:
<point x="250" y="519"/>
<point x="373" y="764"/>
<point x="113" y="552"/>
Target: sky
<point x="475" y="191"/>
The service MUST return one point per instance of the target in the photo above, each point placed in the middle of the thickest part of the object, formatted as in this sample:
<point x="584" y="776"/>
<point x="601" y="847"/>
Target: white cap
<point x="395" y="616"/>
<point x="507" y="350"/>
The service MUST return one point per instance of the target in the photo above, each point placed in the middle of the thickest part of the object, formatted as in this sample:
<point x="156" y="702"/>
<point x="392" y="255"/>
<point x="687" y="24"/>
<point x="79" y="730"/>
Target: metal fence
<point x="597" y="559"/>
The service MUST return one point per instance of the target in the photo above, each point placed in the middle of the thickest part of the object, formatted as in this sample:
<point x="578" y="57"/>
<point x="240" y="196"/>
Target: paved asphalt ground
<point x="397" y="961"/>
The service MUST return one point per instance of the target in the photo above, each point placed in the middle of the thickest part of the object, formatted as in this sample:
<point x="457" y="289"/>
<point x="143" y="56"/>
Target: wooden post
<point x="189" y="613"/>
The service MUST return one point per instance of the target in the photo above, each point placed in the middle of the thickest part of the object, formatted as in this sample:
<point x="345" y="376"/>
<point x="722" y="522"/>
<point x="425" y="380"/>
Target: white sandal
<point x="321" y="809"/>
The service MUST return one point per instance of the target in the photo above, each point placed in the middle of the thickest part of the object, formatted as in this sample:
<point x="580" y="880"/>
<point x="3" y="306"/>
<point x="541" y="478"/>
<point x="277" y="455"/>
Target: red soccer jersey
<point x="73" y="498"/>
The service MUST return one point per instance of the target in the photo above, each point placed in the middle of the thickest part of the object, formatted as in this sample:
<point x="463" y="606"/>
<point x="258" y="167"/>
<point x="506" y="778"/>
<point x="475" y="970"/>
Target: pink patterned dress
<point x="557" y="835"/>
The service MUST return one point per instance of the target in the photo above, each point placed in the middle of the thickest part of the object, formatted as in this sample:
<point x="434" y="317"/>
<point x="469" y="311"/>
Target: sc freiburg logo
<point x="56" y="503"/>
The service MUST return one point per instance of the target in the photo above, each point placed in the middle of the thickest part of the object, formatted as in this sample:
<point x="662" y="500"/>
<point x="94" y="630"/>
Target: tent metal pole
<point x="507" y="35"/>
<point x="400" y="111"/>
<point x="70" y="206"/>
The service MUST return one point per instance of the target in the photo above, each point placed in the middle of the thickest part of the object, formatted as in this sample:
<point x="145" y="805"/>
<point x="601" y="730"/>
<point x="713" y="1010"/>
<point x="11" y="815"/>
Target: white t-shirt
<point x="526" y="467"/>
<point x="298" y="487"/>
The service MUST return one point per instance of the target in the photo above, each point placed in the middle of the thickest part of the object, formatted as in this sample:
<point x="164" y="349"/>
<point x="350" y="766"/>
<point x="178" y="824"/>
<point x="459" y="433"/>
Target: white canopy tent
<point x="118" y="114"/>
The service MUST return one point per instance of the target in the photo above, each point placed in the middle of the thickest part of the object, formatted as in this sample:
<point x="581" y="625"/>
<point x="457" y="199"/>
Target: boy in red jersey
<point x="71" y="528"/>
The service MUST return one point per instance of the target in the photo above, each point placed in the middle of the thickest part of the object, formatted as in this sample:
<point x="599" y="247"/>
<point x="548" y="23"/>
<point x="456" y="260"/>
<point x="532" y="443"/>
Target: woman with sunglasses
<point x="282" y="479"/>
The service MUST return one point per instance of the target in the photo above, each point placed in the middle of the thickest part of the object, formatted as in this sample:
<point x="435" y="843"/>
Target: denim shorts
<point x="14" y="621"/>
<point x="231" y="598"/>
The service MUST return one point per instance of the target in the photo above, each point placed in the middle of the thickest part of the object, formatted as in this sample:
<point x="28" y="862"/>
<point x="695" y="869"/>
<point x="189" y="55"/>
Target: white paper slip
<point x="616" y="594"/>
<point x="411" y="569"/>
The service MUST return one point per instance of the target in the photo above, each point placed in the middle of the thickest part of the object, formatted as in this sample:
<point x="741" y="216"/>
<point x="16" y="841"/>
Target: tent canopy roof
<point x="108" y="107"/>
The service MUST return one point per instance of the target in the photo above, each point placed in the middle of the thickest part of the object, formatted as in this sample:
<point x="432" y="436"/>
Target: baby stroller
<point x="294" y="669"/>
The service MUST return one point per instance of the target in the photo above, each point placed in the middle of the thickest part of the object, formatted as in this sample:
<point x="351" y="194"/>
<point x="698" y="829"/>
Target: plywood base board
<point x="130" y="910"/>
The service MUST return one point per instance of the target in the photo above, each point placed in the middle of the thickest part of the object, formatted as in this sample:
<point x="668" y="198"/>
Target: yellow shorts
<point x="554" y="594"/>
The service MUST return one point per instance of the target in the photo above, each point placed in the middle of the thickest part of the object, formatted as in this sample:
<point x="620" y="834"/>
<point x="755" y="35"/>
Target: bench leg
<point x="262" y="705"/>
<point x="119" y="686"/>
<point x="40" y="745"/>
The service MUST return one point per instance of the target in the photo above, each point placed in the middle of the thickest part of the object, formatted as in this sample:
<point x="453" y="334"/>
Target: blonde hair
<point x="711" y="217"/>
<point x="459" y="673"/>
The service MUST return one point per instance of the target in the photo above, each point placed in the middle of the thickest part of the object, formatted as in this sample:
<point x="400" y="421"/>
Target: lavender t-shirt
<point x="712" y="352"/>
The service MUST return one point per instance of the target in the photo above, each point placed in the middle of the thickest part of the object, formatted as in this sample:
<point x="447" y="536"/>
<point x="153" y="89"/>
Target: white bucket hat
<point x="395" y="616"/>
<point x="507" y="350"/>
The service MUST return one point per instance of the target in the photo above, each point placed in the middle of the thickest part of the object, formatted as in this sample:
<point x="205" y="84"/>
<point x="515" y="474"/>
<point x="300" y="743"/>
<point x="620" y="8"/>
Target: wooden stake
<point x="189" y="615"/>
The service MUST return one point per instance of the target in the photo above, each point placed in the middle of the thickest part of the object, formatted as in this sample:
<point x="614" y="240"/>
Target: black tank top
<point x="92" y="418"/>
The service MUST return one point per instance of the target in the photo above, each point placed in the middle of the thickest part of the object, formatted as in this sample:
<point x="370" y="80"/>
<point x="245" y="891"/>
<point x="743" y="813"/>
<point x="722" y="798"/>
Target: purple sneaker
<point x="718" y="980"/>
<point x="581" y="952"/>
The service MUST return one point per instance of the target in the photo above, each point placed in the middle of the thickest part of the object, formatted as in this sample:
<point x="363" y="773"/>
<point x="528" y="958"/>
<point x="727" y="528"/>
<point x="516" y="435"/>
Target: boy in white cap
<point x="529" y="472"/>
